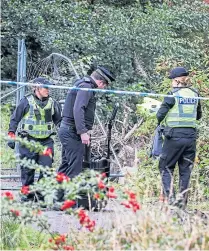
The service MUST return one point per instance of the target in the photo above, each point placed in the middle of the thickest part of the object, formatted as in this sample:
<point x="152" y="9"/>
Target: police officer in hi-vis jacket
<point x="35" y="118"/>
<point x="179" y="116"/>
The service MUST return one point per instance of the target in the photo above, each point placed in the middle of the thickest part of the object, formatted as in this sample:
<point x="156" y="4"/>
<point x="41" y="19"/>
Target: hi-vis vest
<point x="38" y="121"/>
<point x="184" y="112"/>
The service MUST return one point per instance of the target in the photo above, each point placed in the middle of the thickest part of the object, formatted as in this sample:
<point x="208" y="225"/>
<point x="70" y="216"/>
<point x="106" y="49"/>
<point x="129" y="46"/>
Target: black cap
<point x="178" y="72"/>
<point x="106" y="74"/>
<point x="42" y="81"/>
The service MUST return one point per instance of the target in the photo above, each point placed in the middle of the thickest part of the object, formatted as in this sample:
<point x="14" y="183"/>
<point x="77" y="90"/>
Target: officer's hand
<point x="11" y="135"/>
<point x="85" y="138"/>
<point x="11" y="144"/>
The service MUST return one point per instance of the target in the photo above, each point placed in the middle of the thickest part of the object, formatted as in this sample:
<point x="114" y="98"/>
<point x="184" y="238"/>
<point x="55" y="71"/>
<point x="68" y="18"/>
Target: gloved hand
<point x="11" y="135"/>
<point x="11" y="144"/>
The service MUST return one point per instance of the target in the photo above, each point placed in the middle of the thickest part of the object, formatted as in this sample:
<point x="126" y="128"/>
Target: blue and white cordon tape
<point x="141" y="94"/>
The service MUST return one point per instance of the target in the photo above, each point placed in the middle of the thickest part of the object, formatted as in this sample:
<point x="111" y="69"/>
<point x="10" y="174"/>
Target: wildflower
<point x="85" y="220"/>
<point x="103" y="175"/>
<point x="90" y="226"/>
<point x="68" y="248"/>
<point x="96" y="196"/>
<point x="135" y="205"/>
<point x="111" y="195"/>
<point x="132" y="202"/>
<point x="15" y="212"/>
<point x="67" y="204"/>
<point x="126" y="204"/>
<point x="37" y="212"/>
<point x="111" y="189"/>
<point x="25" y="190"/>
<point x="9" y="195"/>
<point x="131" y="195"/>
<point x="101" y="185"/>
<point x="47" y="152"/>
<point x="60" y="239"/>
<point x="61" y="177"/>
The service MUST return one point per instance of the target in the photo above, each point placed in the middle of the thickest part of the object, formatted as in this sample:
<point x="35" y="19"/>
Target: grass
<point x="152" y="228"/>
<point x="15" y="236"/>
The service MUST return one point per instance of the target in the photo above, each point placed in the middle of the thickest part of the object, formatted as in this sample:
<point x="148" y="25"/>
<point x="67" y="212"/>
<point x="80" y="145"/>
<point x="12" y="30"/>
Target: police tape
<point x="141" y="94"/>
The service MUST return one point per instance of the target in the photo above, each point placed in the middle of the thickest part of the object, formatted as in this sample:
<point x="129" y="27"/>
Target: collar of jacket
<point x="41" y="102"/>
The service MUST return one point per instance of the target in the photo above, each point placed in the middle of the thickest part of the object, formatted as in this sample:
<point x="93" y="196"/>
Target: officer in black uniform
<point x="179" y="116"/>
<point x="77" y="119"/>
<point x="38" y="113"/>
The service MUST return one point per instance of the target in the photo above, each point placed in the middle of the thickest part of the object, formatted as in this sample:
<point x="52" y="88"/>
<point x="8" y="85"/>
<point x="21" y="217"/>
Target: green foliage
<point x="7" y="156"/>
<point x="123" y="36"/>
<point x="17" y="236"/>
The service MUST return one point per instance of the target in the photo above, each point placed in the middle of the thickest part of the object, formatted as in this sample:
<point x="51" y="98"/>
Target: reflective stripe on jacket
<point x="184" y="112"/>
<point x="38" y="121"/>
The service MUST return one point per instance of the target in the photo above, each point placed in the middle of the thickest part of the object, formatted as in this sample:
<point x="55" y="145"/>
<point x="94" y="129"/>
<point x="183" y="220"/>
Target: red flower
<point x="111" y="189"/>
<point x="135" y="205"/>
<point x="85" y="220"/>
<point x="68" y="248"/>
<point x="96" y="196"/>
<point x="131" y="195"/>
<point x="25" y="190"/>
<point x="60" y="239"/>
<point x="37" y="212"/>
<point x="126" y="204"/>
<point x="15" y="212"/>
<point x="61" y="177"/>
<point x="104" y="175"/>
<point x="11" y="135"/>
<point x="101" y="185"/>
<point x="111" y="195"/>
<point x="9" y="195"/>
<point x="47" y="152"/>
<point x="67" y="204"/>
<point x="90" y="226"/>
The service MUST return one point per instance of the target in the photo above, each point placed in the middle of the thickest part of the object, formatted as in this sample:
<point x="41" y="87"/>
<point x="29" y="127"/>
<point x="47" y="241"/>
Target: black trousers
<point x="28" y="174"/>
<point x="181" y="151"/>
<point x="72" y="152"/>
<point x="72" y="155"/>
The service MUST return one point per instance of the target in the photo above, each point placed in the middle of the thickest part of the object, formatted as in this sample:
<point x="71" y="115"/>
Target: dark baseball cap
<point x="42" y="81"/>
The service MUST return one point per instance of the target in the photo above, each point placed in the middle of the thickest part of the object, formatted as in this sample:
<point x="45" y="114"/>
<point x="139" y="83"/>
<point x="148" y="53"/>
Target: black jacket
<point x="79" y="107"/>
<point x="23" y="108"/>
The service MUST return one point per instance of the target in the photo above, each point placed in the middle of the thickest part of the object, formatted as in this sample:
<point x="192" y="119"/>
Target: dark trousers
<point x="72" y="154"/>
<point x="181" y="151"/>
<point x="28" y="174"/>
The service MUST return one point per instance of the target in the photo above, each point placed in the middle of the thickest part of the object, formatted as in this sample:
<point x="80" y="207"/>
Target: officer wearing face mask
<point x="35" y="118"/>
<point x="179" y="116"/>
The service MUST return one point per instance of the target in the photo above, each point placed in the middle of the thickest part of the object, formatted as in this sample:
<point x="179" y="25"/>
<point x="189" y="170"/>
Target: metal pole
<point x="23" y="67"/>
<point x="18" y="70"/>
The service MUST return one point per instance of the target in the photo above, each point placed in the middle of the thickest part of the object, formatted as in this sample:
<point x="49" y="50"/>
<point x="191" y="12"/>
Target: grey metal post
<point x="23" y="67"/>
<point x="18" y="70"/>
<point x="21" y="77"/>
